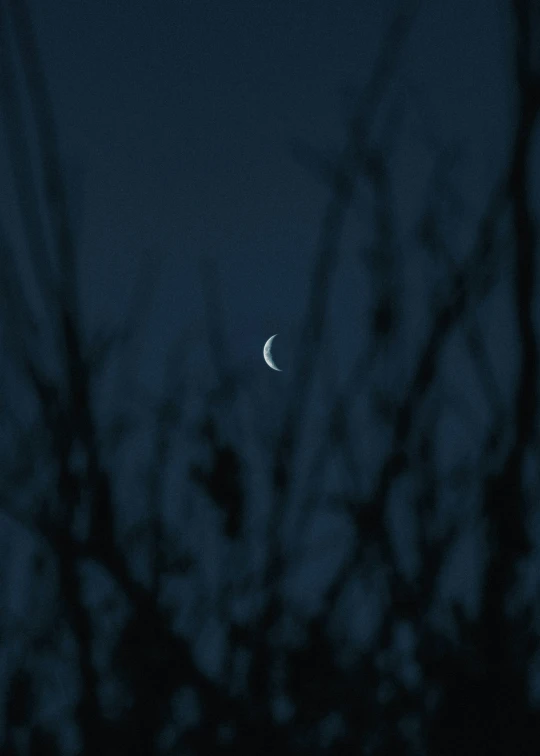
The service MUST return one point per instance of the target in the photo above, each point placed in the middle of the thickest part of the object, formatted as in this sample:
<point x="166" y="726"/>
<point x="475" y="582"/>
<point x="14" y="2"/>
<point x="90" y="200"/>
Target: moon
<point x="267" y="352"/>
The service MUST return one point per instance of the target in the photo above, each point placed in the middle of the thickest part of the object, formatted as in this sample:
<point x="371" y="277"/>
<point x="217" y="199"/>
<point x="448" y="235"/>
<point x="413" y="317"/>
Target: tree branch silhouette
<point x="373" y="665"/>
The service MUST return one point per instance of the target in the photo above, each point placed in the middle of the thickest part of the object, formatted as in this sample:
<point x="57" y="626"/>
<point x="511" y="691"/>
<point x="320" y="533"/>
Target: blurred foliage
<point x="189" y="612"/>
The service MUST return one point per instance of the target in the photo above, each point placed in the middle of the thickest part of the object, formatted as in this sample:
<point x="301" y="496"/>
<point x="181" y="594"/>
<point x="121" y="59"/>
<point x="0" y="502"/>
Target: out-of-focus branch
<point x="343" y="175"/>
<point x="19" y="155"/>
<point x="49" y="150"/>
<point x="526" y="407"/>
<point x="504" y="496"/>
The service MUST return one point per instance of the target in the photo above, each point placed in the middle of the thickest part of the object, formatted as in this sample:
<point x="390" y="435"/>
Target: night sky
<point x="178" y="120"/>
<point x="182" y="126"/>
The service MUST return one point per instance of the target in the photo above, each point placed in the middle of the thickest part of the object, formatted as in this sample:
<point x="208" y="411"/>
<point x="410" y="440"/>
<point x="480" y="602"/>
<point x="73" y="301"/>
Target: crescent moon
<point x="267" y="353"/>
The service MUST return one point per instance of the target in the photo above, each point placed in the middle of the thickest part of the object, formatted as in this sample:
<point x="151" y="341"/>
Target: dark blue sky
<point x="178" y="118"/>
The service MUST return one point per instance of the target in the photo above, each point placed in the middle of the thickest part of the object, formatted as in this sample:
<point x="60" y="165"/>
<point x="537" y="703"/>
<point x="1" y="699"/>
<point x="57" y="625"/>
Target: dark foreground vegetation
<point x="156" y="613"/>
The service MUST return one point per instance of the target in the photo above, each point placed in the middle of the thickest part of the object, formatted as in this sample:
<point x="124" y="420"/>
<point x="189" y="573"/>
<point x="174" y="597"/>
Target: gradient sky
<point x="177" y="119"/>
